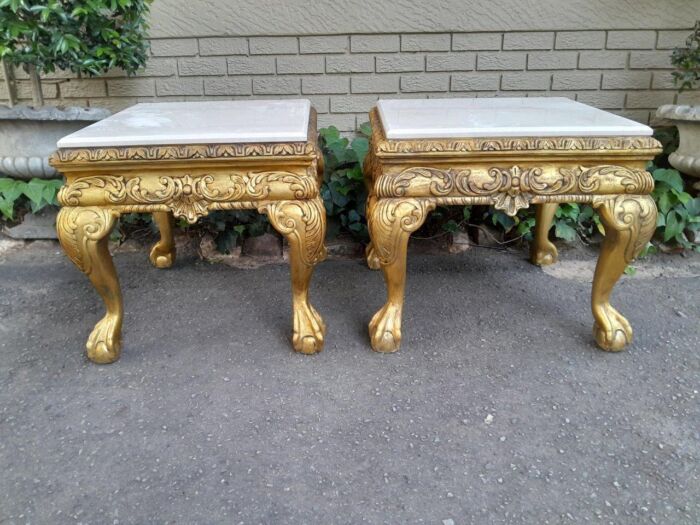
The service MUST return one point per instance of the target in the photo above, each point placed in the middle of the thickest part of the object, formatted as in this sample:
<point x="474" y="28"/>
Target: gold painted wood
<point x="406" y="179"/>
<point x="189" y="181"/>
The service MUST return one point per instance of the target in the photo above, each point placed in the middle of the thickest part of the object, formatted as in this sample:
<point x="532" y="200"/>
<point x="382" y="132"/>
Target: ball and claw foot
<point x="309" y="330"/>
<point x="372" y="258"/>
<point x="385" y="329"/>
<point x="615" y="333"/>
<point x="545" y="254"/>
<point x="162" y="257"/>
<point x="104" y="344"/>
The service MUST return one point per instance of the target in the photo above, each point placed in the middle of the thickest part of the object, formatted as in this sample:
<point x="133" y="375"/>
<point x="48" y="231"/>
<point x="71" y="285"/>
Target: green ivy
<point x="36" y="194"/>
<point x="343" y="189"/>
<point x="88" y="36"/>
<point x="679" y="213"/>
<point x="687" y="61"/>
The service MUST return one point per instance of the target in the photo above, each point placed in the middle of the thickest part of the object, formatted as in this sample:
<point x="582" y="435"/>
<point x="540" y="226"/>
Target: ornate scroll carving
<point x="629" y="221"/>
<point x="303" y="223"/>
<point x="610" y="179"/>
<point x="391" y="221"/>
<point x="188" y="196"/>
<point x="183" y="152"/>
<point x="83" y="233"/>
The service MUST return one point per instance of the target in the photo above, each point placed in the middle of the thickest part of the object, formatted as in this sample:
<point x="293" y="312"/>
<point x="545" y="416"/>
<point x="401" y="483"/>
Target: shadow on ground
<point x="497" y="409"/>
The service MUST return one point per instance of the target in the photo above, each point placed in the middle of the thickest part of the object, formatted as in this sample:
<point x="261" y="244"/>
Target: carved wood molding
<point x="382" y="146"/>
<point x="189" y="196"/>
<point x="511" y="188"/>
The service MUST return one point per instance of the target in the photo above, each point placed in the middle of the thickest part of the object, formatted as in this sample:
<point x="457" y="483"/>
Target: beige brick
<point x="81" y="88"/>
<point x="353" y="104"/>
<point x="576" y="80"/>
<point x="663" y="80"/>
<point x="425" y="42"/>
<point x="227" y="86"/>
<point x="374" y="43"/>
<point x="199" y="67"/>
<point x="274" y="45"/>
<point x="501" y="61"/>
<point x="323" y="44"/>
<point x="526" y="81"/>
<point x="649" y="99"/>
<point x="399" y="63"/>
<point x="603" y="99"/>
<point x="223" y="46"/>
<point x="639" y="115"/>
<point x="671" y="39"/>
<point x="48" y="90"/>
<point x="276" y="85"/>
<point x="350" y="64"/>
<point x="691" y="98"/>
<point x="174" y="47"/>
<point x="631" y="39"/>
<point x="451" y="62"/>
<point x="131" y="87"/>
<point x="552" y="60"/>
<point x="300" y="64"/>
<point x="602" y="60"/>
<point x="475" y="82"/>
<point x="626" y="80"/>
<point x="251" y="65"/>
<point x="580" y="40"/>
<point x="113" y="104"/>
<point x="321" y="103"/>
<point x="650" y="60"/>
<point x="158" y="67"/>
<point x="528" y="40"/>
<point x="322" y="84"/>
<point x="476" y="41"/>
<point x="374" y="83"/>
<point x="179" y="86"/>
<point x="424" y="83"/>
<point x="343" y="122"/>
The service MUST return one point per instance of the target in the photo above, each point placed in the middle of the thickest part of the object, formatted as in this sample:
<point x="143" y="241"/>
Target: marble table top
<point x="209" y="122"/>
<point x="500" y="117"/>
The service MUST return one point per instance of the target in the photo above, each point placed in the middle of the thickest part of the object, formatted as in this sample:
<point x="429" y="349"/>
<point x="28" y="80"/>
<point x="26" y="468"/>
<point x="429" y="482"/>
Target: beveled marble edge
<point x="173" y="152"/>
<point x="641" y="146"/>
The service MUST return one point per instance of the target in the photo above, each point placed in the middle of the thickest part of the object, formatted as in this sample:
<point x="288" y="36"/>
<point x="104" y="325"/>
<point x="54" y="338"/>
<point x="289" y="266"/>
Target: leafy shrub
<point x="687" y="61"/>
<point x="343" y="189"/>
<point x="19" y="195"/>
<point x="87" y="37"/>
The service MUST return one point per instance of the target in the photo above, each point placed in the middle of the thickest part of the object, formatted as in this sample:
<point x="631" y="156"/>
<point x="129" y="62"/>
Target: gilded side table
<point x="185" y="160"/>
<point x="510" y="154"/>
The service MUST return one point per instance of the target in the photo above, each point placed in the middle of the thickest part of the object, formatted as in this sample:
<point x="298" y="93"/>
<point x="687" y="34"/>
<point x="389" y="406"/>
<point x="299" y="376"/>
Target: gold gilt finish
<point x="406" y="179"/>
<point x="280" y="180"/>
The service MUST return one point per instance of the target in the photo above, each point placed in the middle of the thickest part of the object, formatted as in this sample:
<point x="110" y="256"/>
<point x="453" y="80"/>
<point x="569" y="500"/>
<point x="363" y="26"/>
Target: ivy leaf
<point x="360" y="146"/>
<point x="670" y="177"/>
<point x="564" y="231"/>
<point x="34" y="191"/>
<point x="674" y="225"/>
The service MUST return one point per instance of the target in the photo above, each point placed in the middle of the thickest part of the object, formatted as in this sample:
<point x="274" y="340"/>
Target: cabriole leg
<point x="542" y="250"/>
<point x="629" y="221"/>
<point x="303" y="223"/>
<point x="391" y="222"/>
<point x="83" y="233"/>
<point x="163" y="252"/>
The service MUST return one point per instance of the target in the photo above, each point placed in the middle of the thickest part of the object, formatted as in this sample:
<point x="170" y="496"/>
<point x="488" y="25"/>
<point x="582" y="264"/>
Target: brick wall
<point x="624" y="71"/>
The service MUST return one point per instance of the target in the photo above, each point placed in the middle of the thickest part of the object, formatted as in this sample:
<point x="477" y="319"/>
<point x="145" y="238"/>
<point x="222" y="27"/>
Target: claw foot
<point x="372" y="258"/>
<point x="104" y="343"/>
<point x="385" y="329"/>
<point x="309" y="330"/>
<point x="162" y="257"/>
<point x="544" y="255"/>
<point x="614" y="333"/>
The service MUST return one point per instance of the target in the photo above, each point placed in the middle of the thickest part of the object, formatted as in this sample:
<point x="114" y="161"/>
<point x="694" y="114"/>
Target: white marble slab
<point x="500" y="117"/>
<point x="209" y="122"/>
